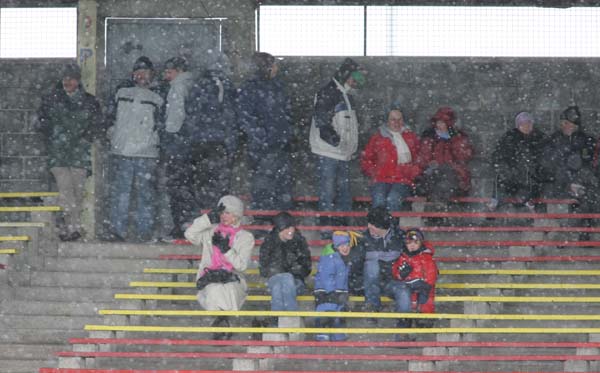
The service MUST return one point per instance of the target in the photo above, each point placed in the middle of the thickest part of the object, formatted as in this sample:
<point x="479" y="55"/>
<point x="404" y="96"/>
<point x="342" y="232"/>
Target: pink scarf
<point x="218" y="259"/>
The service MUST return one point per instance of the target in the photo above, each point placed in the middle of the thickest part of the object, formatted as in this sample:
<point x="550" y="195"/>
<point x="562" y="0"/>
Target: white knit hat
<point x="233" y="205"/>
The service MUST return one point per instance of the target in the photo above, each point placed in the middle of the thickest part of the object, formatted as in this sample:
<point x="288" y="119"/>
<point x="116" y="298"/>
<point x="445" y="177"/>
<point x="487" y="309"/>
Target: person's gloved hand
<point x="221" y="242"/>
<point x="214" y="215"/>
<point x="431" y="169"/>
<point x="404" y="270"/>
<point x="329" y="135"/>
<point x="422" y="289"/>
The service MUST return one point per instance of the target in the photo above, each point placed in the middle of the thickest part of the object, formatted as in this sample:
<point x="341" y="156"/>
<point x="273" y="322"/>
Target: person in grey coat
<point x="176" y="145"/>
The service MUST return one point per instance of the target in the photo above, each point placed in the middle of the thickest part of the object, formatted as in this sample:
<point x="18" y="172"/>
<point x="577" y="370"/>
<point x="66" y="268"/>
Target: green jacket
<point x="69" y="125"/>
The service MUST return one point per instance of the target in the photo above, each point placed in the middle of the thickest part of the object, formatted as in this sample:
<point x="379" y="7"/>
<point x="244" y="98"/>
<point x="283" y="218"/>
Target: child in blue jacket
<point x="331" y="282"/>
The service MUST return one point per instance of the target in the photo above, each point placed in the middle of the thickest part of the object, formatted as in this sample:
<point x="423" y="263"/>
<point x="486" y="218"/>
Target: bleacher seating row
<point x="467" y="341"/>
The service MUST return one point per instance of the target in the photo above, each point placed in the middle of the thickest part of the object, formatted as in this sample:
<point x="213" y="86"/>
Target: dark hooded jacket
<point x="564" y="156"/>
<point x="210" y="111"/>
<point x="69" y="124"/>
<point x="277" y="256"/>
<point x="517" y="156"/>
<point x="264" y="113"/>
<point x="455" y="152"/>
<point x="329" y="97"/>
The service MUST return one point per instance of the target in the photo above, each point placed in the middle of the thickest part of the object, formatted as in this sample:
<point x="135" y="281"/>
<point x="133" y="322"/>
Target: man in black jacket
<point x="284" y="260"/>
<point x="517" y="162"/>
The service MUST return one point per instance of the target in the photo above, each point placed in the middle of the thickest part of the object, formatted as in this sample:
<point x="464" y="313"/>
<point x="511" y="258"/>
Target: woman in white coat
<point x="226" y="250"/>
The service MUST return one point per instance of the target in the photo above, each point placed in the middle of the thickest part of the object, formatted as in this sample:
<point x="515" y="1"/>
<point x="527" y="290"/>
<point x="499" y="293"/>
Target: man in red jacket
<point x="414" y="273"/>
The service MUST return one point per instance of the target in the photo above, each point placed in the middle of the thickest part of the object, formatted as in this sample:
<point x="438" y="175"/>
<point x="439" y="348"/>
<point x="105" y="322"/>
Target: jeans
<point x="133" y="173"/>
<point x="284" y="288"/>
<point x="390" y="195"/>
<point x="271" y="187"/>
<point x="372" y="284"/>
<point x="334" y="185"/>
<point x="401" y="293"/>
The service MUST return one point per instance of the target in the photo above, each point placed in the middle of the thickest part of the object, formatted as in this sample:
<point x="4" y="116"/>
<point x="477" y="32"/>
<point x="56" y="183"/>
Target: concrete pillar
<point x="263" y="364"/>
<point x="448" y="337"/>
<point x="245" y="364"/>
<point x="85" y="347"/>
<point x="72" y="362"/>
<point x="292" y="322"/>
<point x="422" y="366"/>
<point x="476" y="308"/>
<point x="576" y="366"/>
<point x="411" y="222"/>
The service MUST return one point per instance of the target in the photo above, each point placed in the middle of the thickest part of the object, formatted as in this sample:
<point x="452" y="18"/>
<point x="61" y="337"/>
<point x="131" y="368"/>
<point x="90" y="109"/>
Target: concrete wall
<point x="22" y="153"/>
<point x="486" y="93"/>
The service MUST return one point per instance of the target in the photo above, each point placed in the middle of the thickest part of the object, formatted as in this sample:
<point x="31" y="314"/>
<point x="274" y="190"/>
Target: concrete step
<point x="21" y="351"/>
<point x="92" y="280"/>
<point x="67" y="294"/>
<point x="27" y="366"/>
<point x="28" y="307"/>
<point x="91" y="264"/>
<point x="40" y="336"/>
<point x="42" y="322"/>
<point x="122" y="250"/>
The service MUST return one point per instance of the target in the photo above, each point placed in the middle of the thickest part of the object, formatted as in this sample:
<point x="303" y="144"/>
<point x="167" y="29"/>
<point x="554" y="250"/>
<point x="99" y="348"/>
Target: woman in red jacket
<point x="415" y="274"/>
<point x="443" y="157"/>
<point x="389" y="160"/>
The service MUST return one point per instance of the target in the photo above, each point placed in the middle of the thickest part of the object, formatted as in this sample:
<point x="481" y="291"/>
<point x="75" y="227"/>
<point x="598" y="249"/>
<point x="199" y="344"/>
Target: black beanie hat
<point x="379" y="217"/>
<point x="282" y="221"/>
<point x="347" y="68"/>
<point x="177" y="63"/>
<point x="72" y="71"/>
<point x="572" y="114"/>
<point x="143" y="63"/>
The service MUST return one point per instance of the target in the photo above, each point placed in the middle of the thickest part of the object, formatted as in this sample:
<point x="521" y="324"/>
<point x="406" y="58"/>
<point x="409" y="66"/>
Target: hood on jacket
<point x="282" y="221"/>
<point x="446" y="115"/>
<point x="345" y="70"/>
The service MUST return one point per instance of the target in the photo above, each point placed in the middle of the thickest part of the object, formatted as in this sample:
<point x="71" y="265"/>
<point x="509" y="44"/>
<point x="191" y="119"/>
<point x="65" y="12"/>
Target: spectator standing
<point x="264" y="110"/>
<point x="226" y="250"/>
<point x="70" y="119"/>
<point x="414" y="275"/>
<point x="212" y="129"/>
<point x="390" y="161"/>
<point x="134" y="141"/>
<point x="381" y="246"/>
<point x="444" y="155"/>
<point x="331" y="282"/>
<point x="334" y="137"/>
<point x="517" y="163"/>
<point x="284" y="259"/>
<point x="176" y="146"/>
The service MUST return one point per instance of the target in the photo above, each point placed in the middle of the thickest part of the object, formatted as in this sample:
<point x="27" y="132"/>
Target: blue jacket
<point x="211" y="112"/>
<point x="264" y="111"/>
<point x="332" y="272"/>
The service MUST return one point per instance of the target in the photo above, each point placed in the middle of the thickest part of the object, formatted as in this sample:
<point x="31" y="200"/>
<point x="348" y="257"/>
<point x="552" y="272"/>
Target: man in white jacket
<point x="334" y="137"/>
<point x="134" y="149"/>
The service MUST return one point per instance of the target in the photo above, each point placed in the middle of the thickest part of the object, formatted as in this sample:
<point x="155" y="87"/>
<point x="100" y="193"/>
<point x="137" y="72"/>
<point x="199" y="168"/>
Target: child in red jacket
<point x="415" y="274"/>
